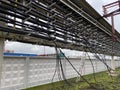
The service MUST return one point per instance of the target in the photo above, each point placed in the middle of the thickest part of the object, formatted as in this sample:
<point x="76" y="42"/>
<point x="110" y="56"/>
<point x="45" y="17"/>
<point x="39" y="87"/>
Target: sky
<point x="29" y="48"/>
<point x="97" y="5"/>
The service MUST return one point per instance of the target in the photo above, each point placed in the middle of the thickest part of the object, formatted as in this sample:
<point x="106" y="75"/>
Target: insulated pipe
<point x="32" y="27"/>
<point x="44" y="24"/>
<point x="25" y="15"/>
<point x="47" y="17"/>
<point x="36" y="30"/>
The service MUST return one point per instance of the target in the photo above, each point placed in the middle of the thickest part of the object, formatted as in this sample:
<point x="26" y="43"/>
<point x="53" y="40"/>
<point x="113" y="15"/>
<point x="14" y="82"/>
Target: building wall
<point x="24" y="72"/>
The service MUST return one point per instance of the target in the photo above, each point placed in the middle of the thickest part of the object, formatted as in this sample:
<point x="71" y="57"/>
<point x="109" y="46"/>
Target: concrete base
<point x="78" y="79"/>
<point x="113" y="73"/>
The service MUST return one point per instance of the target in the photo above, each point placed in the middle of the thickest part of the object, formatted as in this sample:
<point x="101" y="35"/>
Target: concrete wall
<point x="23" y="72"/>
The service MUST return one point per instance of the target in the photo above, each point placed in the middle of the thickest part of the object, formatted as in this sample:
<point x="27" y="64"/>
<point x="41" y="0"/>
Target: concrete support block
<point x="113" y="72"/>
<point x="113" y="63"/>
<point x="27" y="71"/>
<point x="1" y="57"/>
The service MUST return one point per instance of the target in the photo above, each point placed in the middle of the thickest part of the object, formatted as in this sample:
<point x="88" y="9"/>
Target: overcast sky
<point x="29" y="48"/>
<point x="97" y="5"/>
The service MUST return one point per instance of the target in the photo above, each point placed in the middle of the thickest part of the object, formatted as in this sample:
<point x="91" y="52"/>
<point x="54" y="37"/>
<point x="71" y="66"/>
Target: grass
<point x="103" y="82"/>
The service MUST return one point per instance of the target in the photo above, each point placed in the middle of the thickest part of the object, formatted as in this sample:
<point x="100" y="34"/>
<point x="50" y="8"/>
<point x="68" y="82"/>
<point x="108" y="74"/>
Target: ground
<point x="99" y="81"/>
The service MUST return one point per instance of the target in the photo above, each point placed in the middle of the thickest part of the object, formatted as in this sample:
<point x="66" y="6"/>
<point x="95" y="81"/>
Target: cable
<point x="59" y="69"/>
<point x="72" y="66"/>
<point x="102" y="60"/>
<point x="91" y="63"/>
<point x="94" y="49"/>
<point x="76" y="69"/>
<point x="80" y="69"/>
<point x="95" y="55"/>
<point x="92" y="67"/>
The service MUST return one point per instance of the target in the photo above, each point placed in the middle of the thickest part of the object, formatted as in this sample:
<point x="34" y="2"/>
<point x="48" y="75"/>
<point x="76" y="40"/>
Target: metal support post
<point x="113" y="63"/>
<point x="113" y="72"/>
<point x="26" y="72"/>
<point x="113" y="31"/>
<point x="64" y="67"/>
<point x="96" y="65"/>
<point x="1" y="57"/>
<point x="84" y="60"/>
<point x="82" y="66"/>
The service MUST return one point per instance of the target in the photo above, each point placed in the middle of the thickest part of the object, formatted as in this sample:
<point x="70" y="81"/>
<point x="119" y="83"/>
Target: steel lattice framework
<point x="71" y="24"/>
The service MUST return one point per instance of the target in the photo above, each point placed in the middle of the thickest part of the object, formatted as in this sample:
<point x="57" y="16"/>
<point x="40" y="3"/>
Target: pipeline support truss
<point x="68" y="23"/>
